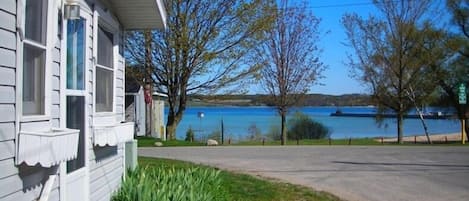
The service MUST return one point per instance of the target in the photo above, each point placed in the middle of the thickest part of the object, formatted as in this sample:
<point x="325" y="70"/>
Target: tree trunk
<point x="147" y="120"/>
<point x="463" y="131"/>
<point x="284" y="129"/>
<point x="171" y="125"/>
<point x="425" y="128"/>
<point x="170" y="131"/>
<point x="467" y="127"/>
<point x="400" y="119"/>
<point x="148" y="83"/>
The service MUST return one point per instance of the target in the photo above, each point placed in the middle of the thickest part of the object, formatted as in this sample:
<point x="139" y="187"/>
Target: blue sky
<point x="337" y="79"/>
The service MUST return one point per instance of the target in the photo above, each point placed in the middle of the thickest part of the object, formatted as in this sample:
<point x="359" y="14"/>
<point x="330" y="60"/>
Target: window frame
<point x="49" y="31"/>
<point x="105" y="20"/>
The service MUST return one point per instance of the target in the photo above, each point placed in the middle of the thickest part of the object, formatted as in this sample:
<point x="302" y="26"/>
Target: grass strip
<point x="245" y="187"/>
<point x="149" y="142"/>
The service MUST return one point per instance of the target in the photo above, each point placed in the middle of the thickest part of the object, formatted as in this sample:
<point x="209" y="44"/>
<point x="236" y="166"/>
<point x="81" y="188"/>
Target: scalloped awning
<point x="111" y="135"/>
<point x="47" y="148"/>
<point x="140" y="14"/>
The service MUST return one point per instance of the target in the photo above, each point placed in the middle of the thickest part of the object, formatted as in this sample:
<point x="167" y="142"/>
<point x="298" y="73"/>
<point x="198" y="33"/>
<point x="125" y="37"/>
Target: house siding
<point x="107" y="163"/>
<point x="8" y="171"/>
<point x="18" y="181"/>
<point x="104" y="165"/>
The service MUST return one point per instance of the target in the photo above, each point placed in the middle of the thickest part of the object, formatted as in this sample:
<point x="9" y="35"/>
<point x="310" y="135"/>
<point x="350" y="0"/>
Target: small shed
<point x="158" y="128"/>
<point x="135" y="107"/>
<point x="135" y="111"/>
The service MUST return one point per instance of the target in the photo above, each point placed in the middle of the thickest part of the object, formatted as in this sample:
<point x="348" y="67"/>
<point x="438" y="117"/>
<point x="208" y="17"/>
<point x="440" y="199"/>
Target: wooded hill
<point x="262" y="100"/>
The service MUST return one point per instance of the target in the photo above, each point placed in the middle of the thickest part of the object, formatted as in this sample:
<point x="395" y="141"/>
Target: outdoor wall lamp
<point x="71" y="10"/>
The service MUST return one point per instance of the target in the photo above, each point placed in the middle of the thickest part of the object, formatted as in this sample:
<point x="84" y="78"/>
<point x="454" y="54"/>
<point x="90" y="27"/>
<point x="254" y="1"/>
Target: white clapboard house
<point x="62" y="126"/>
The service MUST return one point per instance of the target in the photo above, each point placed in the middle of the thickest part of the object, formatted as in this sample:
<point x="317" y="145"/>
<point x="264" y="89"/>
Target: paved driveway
<point x="352" y="173"/>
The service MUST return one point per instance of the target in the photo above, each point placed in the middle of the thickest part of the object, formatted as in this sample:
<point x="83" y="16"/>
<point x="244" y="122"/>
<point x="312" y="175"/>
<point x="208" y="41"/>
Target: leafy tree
<point x="201" y="50"/>
<point x="456" y="69"/>
<point x="391" y="55"/>
<point x="289" y="58"/>
<point x="460" y="12"/>
<point x="303" y="127"/>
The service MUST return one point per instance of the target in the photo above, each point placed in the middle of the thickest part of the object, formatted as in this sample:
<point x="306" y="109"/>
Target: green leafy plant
<point x="169" y="183"/>
<point x="189" y="135"/>
<point x="303" y="127"/>
<point x="274" y="133"/>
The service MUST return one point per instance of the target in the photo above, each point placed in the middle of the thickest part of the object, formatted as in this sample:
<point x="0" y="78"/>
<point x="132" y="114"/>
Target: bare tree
<point x="201" y="51"/>
<point x="290" y="58"/>
<point x="390" y="54"/>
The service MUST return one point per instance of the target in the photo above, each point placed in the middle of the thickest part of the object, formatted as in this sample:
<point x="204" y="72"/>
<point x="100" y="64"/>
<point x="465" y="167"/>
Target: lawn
<point x="246" y="187"/>
<point x="149" y="142"/>
<point x="353" y="141"/>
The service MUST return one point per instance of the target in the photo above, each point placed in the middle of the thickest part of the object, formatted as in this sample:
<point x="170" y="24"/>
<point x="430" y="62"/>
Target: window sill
<point x="104" y="114"/>
<point x="111" y="135"/>
<point x="35" y="118"/>
<point x="47" y="148"/>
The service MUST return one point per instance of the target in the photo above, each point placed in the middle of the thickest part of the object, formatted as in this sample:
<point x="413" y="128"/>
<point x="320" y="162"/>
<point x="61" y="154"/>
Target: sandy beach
<point x="422" y="138"/>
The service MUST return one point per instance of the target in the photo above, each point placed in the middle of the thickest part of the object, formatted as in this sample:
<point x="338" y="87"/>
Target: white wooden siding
<point x="7" y="57"/>
<point x="8" y="94"/>
<point x="7" y="39"/>
<point x="106" y="163"/>
<point x="8" y="169"/>
<point x="9" y="6"/>
<point x="17" y="182"/>
<point x="7" y="20"/>
<point x="8" y="112"/>
<point x="26" y="193"/>
<point x="8" y="149"/>
<point x="7" y="131"/>
<point x="7" y="75"/>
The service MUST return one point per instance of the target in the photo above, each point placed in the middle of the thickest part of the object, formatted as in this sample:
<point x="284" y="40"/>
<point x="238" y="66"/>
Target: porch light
<point x="71" y="10"/>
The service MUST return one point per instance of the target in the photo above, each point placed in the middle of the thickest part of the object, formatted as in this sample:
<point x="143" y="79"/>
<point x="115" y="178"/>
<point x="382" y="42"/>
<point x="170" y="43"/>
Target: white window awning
<point x="47" y="148"/>
<point x="140" y="14"/>
<point x="112" y="135"/>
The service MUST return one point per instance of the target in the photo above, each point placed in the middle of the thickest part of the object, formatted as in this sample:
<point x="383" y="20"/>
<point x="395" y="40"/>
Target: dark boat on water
<point x="438" y="115"/>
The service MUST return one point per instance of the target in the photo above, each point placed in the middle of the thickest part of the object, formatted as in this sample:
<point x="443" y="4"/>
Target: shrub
<point x="162" y="183"/>
<point x="301" y="126"/>
<point x="254" y="133"/>
<point x="189" y="135"/>
<point x="274" y="133"/>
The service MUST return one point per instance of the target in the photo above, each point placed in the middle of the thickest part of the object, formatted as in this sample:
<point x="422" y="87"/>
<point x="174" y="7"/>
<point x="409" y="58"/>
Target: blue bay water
<point x="237" y="120"/>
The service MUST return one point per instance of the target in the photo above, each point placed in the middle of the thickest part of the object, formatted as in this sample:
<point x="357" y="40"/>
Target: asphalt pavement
<point x="350" y="172"/>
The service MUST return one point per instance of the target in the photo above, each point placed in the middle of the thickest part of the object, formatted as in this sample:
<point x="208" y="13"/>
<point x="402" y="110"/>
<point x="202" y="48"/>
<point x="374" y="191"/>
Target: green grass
<point x="150" y="142"/>
<point x="246" y="187"/>
<point x="353" y="141"/>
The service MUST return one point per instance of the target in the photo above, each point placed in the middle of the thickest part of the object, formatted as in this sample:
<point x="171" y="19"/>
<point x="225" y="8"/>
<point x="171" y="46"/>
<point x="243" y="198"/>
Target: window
<point x="34" y="57"/>
<point x="105" y="71"/>
<point x="76" y="54"/>
<point x="76" y="69"/>
<point x="76" y="120"/>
